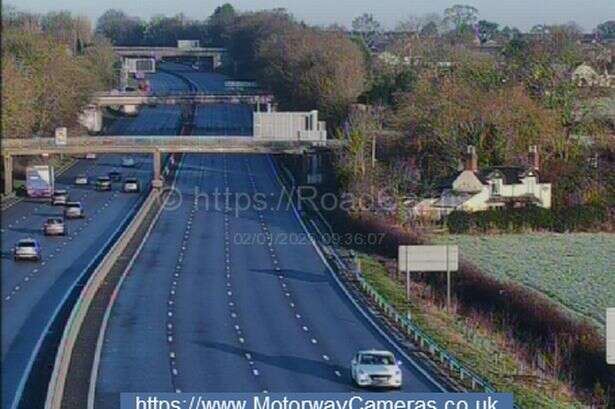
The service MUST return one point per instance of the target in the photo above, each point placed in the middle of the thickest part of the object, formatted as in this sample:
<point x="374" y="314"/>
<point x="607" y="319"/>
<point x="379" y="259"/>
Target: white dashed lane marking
<point x="274" y="260"/>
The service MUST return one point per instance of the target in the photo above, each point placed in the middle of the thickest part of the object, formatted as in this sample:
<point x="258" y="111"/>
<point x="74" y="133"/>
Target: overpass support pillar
<point x="8" y="174"/>
<point x="157" y="181"/>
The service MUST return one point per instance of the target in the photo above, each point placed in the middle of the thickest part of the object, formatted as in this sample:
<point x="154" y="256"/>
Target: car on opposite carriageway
<point x="27" y="249"/>
<point x="128" y="162"/>
<point x="59" y="197"/>
<point x="132" y="185"/>
<point x="115" y="176"/>
<point x="103" y="183"/>
<point x="55" y="226"/>
<point x="81" y="180"/>
<point x="74" y="210"/>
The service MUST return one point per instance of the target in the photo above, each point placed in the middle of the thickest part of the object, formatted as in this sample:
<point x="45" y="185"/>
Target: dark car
<point x="103" y="183"/>
<point x="115" y="176"/>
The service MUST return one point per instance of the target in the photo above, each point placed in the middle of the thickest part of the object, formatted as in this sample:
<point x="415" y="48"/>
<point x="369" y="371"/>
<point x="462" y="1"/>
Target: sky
<point x="519" y="13"/>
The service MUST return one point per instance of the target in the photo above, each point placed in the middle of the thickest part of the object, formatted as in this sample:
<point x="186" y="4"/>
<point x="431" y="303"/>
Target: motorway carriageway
<point x="160" y="120"/>
<point x="205" y="308"/>
<point x="210" y="306"/>
<point x="31" y="291"/>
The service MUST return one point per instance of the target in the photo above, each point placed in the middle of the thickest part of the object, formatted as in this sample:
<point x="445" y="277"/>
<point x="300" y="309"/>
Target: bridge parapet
<point x="290" y="143"/>
<point x="251" y="97"/>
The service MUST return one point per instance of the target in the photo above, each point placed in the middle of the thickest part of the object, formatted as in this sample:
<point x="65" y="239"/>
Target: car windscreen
<point x="26" y="244"/>
<point x="375" y="359"/>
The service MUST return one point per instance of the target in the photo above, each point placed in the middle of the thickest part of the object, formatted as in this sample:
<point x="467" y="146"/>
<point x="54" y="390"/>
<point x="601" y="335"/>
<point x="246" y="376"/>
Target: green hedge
<point x="530" y="218"/>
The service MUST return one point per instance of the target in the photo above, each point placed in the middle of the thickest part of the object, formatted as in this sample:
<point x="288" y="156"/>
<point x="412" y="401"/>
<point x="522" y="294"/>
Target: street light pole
<point x="448" y="281"/>
<point x="373" y="150"/>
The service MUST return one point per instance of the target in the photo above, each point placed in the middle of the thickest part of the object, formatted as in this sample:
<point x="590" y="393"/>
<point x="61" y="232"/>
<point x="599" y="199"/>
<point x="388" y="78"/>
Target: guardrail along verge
<point x="439" y="353"/>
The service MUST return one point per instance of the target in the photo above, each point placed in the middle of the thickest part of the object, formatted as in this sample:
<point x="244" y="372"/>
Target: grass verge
<point x="472" y="340"/>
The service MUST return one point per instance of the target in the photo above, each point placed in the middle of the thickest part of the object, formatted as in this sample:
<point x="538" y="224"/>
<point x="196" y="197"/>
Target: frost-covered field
<point x="576" y="269"/>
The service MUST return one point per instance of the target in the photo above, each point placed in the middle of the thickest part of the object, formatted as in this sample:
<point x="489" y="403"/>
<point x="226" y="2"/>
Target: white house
<point x="476" y="189"/>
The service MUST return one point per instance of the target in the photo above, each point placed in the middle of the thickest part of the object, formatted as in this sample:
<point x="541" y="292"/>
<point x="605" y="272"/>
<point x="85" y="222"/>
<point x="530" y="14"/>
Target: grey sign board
<point x="428" y="258"/>
<point x="610" y="336"/>
<point x="60" y="136"/>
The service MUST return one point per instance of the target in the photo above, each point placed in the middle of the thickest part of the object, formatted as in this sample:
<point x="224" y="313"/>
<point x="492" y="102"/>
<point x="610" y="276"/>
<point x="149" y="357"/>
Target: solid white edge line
<point x="348" y="295"/>
<point x="116" y="290"/>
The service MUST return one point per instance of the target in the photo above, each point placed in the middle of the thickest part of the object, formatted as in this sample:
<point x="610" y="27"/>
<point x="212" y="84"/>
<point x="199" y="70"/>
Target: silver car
<point x="73" y="210"/>
<point x="376" y="369"/>
<point x="59" y="198"/>
<point x="27" y="249"/>
<point x="81" y="180"/>
<point x="131" y="185"/>
<point x="54" y="226"/>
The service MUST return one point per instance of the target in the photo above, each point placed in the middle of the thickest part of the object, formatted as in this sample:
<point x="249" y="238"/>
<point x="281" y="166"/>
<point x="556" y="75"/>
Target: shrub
<point x="458" y="222"/>
<point x="578" y="218"/>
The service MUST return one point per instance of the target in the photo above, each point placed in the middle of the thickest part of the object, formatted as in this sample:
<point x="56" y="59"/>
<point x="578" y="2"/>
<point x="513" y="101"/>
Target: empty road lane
<point x="212" y="305"/>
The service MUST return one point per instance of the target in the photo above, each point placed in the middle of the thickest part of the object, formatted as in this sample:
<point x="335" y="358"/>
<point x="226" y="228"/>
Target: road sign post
<point x="448" y="281"/>
<point x="407" y="280"/>
<point x="429" y="259"/>
<point x="610" y="336"/>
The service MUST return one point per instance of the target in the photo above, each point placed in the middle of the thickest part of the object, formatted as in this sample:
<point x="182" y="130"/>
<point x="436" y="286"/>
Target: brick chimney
<point x="471" y="160"/>
<point x="534" y="158"/>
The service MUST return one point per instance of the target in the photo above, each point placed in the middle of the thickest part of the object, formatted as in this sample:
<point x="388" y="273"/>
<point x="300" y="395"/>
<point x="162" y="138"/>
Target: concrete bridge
<point x="251" y="97"/>
<point x="217" y="54"/>
<point x="302" y="142"/>
<point x="92" y="116"/>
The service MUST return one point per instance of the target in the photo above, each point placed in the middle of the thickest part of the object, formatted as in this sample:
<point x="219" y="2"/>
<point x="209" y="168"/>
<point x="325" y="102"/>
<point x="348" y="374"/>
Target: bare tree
<point x="460" y="16"/>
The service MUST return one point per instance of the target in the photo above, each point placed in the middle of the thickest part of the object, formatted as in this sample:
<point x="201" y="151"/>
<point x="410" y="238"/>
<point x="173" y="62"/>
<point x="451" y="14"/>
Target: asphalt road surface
<point x="212" y="305"/>
<point x="32" y="291"/>
<point x="160" y="120"/>
<point x="223" y="119"/>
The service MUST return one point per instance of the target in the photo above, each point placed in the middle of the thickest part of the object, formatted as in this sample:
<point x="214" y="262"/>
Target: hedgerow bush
<point x="530" y="318"/>
<point x="578" y="218"/>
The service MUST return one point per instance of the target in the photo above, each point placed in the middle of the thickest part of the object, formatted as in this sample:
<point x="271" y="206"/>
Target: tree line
<point x="440" y="92"/>
<point x="306" y="67"/>
<point x="51" y="65"/>
<point x="432" y="86"/>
